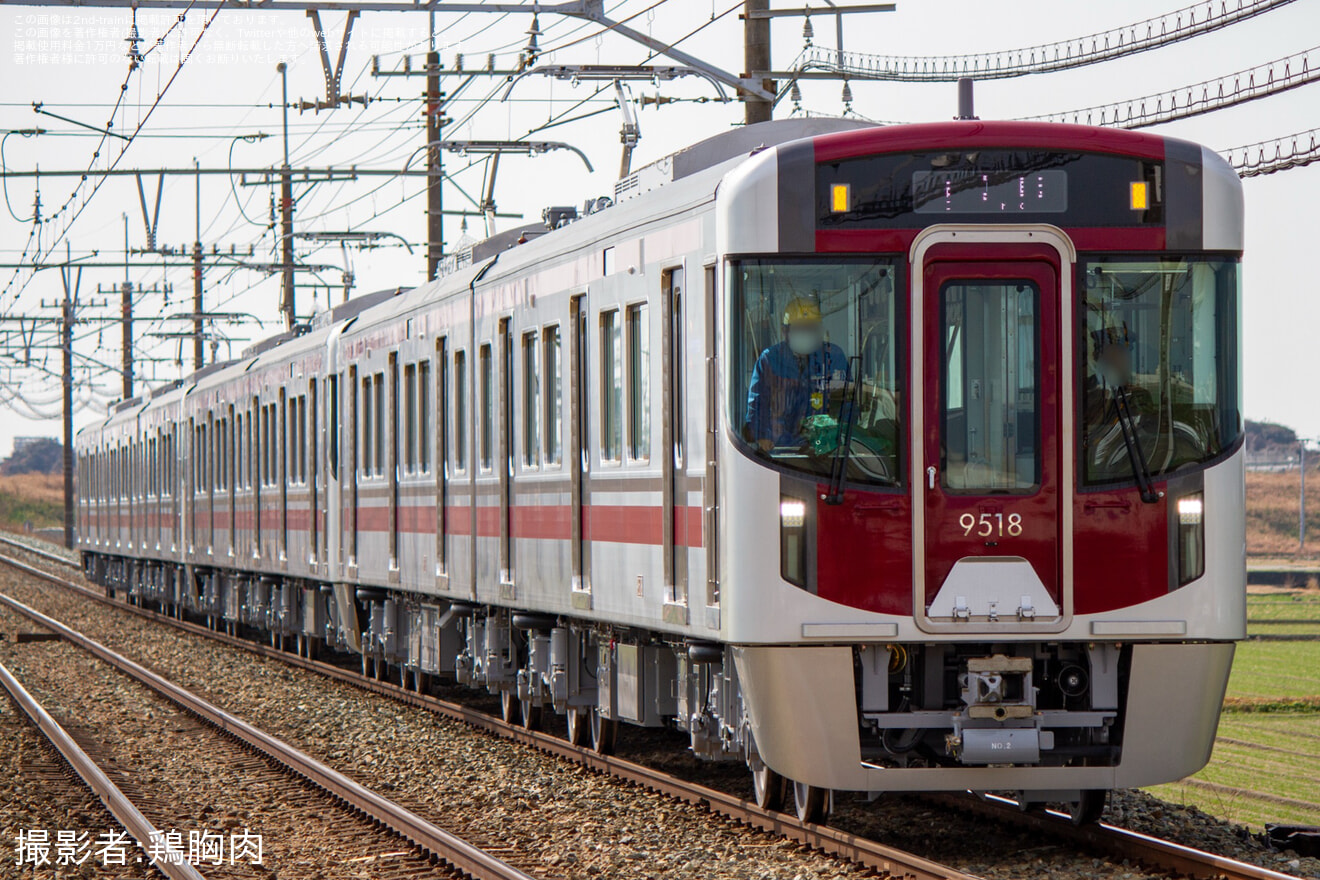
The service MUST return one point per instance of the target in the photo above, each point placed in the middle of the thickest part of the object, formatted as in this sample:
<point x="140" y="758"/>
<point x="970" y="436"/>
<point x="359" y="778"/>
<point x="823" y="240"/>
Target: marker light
<point x="1190" y="510"/>
<point x="792" y="513"/>
<point x="1140" y="196"/>
<point x="839" y="197"/>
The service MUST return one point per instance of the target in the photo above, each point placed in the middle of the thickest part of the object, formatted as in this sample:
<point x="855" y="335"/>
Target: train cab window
<point x="814" y="357"/>
<point x="487" y="432"/>
<point x="552" y="396"/>
<point x="611" y="387"/>
<point x="531" y="411"/>
<point x="1161" y="364"/>
<point x="460" y="411"/>
<point x="639" y="383"/>
<point x="989" y="380"/>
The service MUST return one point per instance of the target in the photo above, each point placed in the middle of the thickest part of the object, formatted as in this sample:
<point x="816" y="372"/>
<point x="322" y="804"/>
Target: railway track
<point x="1109" y="840"/>
<point x="355" y="801"/>
<point x="123" y="809"/>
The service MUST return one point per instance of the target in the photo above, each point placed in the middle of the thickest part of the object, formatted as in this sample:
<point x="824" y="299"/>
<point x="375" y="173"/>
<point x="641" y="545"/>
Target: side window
<point x="531" y="404"/>
<point x="368" y="426"/>
<point x="487" y="431"/>
<point x="410" y="418"/>
<point x="611" y="387"/>
<point x="639" y="384"/>
<point x="302" y="438"/>
<point x="291" y="428"/>
<point x="333" y="432"/>
<point x="424" y="432"/>
<point x="460" y="410"/>
<point x="378" y="440"/>
<point x="553" y="397"/>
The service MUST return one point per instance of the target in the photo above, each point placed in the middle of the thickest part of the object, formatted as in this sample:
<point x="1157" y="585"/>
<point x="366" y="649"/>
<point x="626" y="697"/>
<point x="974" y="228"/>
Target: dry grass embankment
<point x="1272" y="501"/>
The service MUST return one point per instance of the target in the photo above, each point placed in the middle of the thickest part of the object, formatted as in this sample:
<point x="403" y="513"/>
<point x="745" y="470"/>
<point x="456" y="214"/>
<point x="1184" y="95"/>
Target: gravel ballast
<point x="583" y="824"/>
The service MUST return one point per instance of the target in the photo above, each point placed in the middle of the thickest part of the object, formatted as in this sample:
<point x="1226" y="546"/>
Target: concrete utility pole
<point x="286" y="210"/>
<point x="435" y="213"/>
<point x="126" y="304"/>
<point x="756" y="58"/>
<point x="1301" y="507"/>
<point x="199" y="352"/>
<point x="72" y="281"/>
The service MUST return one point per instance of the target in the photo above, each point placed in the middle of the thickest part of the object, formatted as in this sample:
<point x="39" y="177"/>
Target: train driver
<point x="794" y="379"/>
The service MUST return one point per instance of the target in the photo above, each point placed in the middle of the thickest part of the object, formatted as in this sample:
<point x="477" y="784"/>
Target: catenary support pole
<point x="756" y="58"/>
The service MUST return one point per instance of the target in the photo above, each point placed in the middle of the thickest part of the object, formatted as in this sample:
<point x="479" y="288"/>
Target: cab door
<point x="992" y="474"/>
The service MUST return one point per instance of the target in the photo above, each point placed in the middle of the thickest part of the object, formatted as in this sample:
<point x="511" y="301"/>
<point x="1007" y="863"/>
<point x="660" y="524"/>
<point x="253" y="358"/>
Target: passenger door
<point x="992" y="474"/>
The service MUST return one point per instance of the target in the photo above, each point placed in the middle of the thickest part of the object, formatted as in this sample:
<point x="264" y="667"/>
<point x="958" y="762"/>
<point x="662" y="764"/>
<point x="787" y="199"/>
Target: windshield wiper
<point x="1140" y="469"/>
<point x="839" y="464"/>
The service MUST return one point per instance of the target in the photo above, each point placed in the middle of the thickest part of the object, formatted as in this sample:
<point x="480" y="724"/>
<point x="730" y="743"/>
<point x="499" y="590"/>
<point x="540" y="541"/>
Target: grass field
<point x="1266" y="763"/>
<point x="31" y="498"/>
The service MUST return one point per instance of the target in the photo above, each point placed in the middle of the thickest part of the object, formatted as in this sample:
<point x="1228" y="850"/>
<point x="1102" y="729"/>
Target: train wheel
<point x="531" y="715"/>
<point x="812" y="803"/>
<point x="1090" y="808"/>
<point x="767" y="787"/>
<point x="604" y="733"/>
<point x="578" y="721"/>
<point x="1029" y="806"/>
<point x="510" y="708"/>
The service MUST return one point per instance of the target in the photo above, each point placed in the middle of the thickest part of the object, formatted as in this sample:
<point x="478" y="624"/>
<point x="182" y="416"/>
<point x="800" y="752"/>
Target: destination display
<point x="984" y="192"/>
<point x="912" y="190"/>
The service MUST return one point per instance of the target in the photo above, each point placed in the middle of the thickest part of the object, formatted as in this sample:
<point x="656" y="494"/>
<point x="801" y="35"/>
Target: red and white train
<point x="882" y="459"/>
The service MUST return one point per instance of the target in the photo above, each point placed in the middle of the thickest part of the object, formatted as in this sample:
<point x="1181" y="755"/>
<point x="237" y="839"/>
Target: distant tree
<point x="44" y="456"/>
<point x="1265" y="436"/>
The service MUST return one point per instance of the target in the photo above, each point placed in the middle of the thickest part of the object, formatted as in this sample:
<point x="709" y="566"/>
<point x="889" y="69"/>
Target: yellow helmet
<point x="801" y="310"/>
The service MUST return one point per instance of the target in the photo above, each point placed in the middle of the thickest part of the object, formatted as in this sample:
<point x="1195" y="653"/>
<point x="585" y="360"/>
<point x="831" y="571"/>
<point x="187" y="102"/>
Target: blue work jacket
<point x="787" y="388"/>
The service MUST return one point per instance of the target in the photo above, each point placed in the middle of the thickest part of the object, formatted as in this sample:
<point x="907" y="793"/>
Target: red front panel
<point x="864" y="551"/>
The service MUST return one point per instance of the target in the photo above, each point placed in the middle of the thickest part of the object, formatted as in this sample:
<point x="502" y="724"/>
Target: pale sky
<point x="230" y="88"/>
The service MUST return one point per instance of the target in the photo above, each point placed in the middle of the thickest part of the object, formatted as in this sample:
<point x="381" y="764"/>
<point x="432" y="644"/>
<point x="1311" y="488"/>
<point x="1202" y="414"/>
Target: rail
<point x="455" y="851"/>
<point x="1120" y="842"/>
<point x="124" y="811"/>
<point x="37" y="551"/>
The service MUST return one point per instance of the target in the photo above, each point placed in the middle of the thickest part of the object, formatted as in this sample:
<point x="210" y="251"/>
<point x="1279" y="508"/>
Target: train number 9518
<point x="991" y="524"/>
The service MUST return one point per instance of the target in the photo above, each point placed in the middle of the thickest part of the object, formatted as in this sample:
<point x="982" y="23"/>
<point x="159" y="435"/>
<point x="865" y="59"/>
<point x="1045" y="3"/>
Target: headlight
<point x="793" y="540"/>
<point x="1191" y="538"/>
<point x="792" y="513"/>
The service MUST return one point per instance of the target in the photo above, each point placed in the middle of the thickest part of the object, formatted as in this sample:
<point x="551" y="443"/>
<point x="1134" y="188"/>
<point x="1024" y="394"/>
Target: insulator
<point x="795" y="93"/>
<point x="847" y="93"/>
<point x="807" y="31"/>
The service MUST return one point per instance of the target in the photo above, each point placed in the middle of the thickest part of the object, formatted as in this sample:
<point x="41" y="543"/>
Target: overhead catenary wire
<point x="1251" y="84"/>
<point x="1182" y="24"/>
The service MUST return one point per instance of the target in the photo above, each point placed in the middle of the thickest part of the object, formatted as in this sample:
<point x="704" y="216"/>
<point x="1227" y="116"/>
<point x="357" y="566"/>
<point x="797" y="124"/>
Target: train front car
<point x="983" y="395"/>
